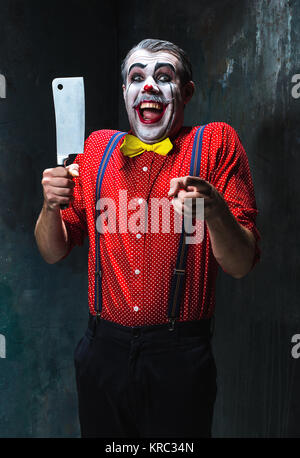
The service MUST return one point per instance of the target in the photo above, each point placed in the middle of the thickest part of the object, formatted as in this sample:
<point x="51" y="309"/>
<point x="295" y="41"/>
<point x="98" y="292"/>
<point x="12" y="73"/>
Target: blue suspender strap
<point x="114" y="140"/>
<point x="177" y="284"/>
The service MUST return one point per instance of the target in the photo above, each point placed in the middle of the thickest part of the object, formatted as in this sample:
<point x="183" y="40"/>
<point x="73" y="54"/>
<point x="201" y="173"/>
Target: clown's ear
<point x="188" y="91"/>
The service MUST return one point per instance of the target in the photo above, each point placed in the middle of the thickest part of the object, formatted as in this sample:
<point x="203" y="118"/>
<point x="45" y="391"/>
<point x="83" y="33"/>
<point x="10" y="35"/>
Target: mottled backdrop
<point x="244" y="54"/>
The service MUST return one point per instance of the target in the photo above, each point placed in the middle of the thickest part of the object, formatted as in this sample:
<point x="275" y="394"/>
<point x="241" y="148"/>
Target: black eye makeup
<point x="136" y="77"/>
<point x="163" y="78"/>
<point x="163" y="73"/>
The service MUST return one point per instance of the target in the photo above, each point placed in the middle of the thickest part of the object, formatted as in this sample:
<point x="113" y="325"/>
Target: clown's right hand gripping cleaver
<point x="69" y="105"/>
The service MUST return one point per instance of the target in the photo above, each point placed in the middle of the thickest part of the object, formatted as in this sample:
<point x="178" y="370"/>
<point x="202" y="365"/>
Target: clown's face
<point x="154" y="96"/>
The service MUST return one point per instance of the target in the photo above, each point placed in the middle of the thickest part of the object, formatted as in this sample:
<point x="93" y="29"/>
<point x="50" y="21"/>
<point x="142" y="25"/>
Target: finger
<point x="56" y="201"/>
<point x="177" y="205"/>
<point x="198" y="195"/>
<point x="63" y="192"/>
<point x="191" y="188"/>
<point x="56" y="172"/>
<point x="189" y="195"/>
<point x="185" y="182"/>
<point x="183" y="209"/>
<point x="188" y="210"/>
<point x="58" y="182"/>
<point x="59" y="171"/>
<point x="175" y="185"/>
<point x="184" y="196"/>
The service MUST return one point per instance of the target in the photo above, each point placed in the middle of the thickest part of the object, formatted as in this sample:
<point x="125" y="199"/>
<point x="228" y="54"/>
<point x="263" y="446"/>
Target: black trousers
<point x="145" y="381"/>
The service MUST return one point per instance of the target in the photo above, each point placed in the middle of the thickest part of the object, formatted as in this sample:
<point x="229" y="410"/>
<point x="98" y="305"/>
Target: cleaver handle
<point x="68" y="161"/>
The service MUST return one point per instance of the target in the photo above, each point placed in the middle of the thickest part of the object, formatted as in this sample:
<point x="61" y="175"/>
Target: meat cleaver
<point x="69" y="106"/>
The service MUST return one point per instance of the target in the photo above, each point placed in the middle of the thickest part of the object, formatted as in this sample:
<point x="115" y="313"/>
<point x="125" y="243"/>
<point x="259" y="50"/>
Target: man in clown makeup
<point x="144" y="367"/>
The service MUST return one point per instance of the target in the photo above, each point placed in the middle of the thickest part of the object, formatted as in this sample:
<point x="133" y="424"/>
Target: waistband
<point x="199" y="328"/>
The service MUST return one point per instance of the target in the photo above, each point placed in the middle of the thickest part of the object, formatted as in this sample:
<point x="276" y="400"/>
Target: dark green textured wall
<point x="244" y="54"/>
<point x="43" y="308"/>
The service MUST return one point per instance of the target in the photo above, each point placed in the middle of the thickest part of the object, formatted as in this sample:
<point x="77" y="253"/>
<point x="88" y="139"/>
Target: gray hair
<point x="154" y="45"/>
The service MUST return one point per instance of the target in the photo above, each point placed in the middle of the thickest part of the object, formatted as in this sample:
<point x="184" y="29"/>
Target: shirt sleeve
<point x="74" y="216"/>
<point x="232" y="178"/>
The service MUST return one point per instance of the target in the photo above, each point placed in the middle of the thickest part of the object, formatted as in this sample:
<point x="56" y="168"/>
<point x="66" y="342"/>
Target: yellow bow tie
<point x="132" y="146"/>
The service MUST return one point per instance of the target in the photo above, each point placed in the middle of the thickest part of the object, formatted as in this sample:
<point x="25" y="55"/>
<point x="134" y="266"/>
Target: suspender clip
<point x="171" y="324"/>
<point x="179" y="271"/>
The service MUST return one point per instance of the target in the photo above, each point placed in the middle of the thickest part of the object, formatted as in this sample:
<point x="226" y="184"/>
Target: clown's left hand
<point x="233" y="245"/>
<point x="194" y="187"/>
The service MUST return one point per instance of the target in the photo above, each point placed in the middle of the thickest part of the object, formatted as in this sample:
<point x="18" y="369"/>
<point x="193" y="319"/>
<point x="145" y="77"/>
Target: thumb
<point x="73" y="170"/>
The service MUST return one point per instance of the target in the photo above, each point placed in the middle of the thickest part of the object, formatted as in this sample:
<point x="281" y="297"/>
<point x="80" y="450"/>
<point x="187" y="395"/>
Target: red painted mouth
<point x="151" y="113"/>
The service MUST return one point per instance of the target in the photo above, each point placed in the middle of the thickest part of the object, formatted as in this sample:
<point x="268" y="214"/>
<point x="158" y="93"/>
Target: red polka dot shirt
<point x="137" y="265"/>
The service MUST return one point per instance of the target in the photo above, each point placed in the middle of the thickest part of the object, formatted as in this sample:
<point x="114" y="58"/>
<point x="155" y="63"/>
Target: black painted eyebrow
<point x="164" y="64"/>
<point x="136" y="65"/>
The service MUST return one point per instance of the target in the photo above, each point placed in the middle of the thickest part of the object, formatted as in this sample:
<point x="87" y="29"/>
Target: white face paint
<point x="154" y="78"/>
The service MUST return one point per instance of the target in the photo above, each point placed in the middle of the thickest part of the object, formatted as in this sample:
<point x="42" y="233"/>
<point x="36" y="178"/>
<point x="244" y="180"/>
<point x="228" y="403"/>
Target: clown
<point x="144" y="367"/>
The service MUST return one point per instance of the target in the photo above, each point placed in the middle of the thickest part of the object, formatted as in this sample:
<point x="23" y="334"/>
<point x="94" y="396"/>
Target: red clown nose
<point x="148" y="87"/>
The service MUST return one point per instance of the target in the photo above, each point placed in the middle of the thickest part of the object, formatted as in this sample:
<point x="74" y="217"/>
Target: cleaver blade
<point x="69" y="106"/>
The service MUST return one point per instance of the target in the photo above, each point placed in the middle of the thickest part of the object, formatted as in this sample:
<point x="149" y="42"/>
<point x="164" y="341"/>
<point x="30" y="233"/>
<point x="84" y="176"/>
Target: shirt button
<point x="135" y="308"/>
<point x="145" y="169"/>
<point x="140" y="201"/>
<point x="138" y="236"/>
<point x="137" y="271"/>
